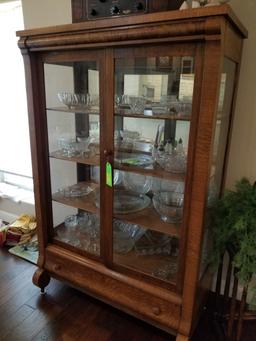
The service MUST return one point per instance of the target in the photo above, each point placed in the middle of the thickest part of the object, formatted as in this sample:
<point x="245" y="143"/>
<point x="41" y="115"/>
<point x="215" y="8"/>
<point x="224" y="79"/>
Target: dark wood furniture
<point x="184" y="66"/>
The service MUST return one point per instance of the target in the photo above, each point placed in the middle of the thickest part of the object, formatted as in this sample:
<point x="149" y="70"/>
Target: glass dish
<point x="164" y="185"/>
<point x="126" y="202"/>
<point x="72" y="100"/>
<point x="136" y="161"/>
<point x="169" y="205"/>
<point x="125" y="236"/>
<point x="135" y="103"/>
<point x="137" y="183"/>
<point x="75" y="191"/>
<point x="153" y="243"/>
<point x="167" y="271"/>
<point x="174" y="163"/>
<point x="82" y="231"/>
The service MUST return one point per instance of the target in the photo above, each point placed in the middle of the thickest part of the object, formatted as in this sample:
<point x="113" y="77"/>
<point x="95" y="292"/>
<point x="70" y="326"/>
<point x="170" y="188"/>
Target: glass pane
<point x="219" y="149"/>
<point x="153" y="104"/>
<point x="72" y="102"/>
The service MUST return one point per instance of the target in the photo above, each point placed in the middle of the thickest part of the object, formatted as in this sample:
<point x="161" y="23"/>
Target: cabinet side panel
<point x="209" y="95"/>
<point x="38" y="140"/>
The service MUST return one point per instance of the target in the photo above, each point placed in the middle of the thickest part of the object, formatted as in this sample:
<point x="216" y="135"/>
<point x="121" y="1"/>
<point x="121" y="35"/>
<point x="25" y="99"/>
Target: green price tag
<point x="109" y="181"/>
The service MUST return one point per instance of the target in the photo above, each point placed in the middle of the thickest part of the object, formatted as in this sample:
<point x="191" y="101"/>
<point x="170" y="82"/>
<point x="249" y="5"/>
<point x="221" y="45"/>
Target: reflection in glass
<point x="153" y="105"/>
<point x="219" y="150"/>
<point x="72" y="101"/>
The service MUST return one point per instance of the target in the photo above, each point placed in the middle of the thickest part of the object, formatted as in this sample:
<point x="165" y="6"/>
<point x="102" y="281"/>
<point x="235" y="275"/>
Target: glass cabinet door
<point x="73" y="119"/>
<point x="152" y="113"/>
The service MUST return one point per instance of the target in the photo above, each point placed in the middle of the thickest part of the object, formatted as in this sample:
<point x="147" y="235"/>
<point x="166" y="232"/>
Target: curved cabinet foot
<point x="181" y="337"/>
<point x="41" y="279"/>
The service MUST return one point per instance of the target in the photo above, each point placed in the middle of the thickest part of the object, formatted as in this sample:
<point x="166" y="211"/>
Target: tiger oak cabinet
<point x="130" y="122"/>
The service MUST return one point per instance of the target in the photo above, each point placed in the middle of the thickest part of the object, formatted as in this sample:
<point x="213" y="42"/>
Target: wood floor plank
<point x="78" y="315"/>
<point x="12" y="287"/>
<point x="16" y="301"/>
<point x="17" y="318"/>
<point x="35" y="322"/>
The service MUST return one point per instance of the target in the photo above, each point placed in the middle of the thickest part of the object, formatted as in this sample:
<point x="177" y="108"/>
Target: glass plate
<point x="136" y="161"/>
<point x="126" y="202"/>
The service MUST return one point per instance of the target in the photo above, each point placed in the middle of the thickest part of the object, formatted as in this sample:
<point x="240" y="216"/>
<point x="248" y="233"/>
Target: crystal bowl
<point x="169" y="205"/>
<point x="74" y="100"/>
<point x="137" y="183"/>
<point x="125" y="236"/>
<point x="137" y="104"/>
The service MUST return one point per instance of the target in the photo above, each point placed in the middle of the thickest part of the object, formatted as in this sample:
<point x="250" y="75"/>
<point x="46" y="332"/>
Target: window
<point x="15" y="160"/>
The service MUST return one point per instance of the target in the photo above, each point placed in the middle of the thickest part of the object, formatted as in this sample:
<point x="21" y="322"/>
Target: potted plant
<point x="234" y="229"/>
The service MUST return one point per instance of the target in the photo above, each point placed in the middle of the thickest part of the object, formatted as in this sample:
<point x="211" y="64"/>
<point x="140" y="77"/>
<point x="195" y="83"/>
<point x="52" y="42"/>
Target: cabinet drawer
<point x="157" y="306"/>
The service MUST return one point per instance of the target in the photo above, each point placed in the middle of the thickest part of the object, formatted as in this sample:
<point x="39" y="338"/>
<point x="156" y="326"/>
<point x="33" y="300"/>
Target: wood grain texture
<point x="39" y="153"/>
<point x="104" y="284"/>
<point x="190" y="15"/>
<point x="209" y="95"/>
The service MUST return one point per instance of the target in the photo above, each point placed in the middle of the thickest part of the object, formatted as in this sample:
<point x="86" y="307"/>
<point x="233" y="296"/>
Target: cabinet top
<point x="205" y="20"/>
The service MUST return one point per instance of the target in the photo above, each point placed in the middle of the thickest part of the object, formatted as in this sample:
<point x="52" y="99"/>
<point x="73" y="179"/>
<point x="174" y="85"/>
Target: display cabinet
<point x="130" y="120"/>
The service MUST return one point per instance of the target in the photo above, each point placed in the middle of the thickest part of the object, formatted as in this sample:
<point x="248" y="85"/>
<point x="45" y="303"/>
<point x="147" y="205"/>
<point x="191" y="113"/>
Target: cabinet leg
<point x="181" y="337"/>
<point x="41" y="279"/>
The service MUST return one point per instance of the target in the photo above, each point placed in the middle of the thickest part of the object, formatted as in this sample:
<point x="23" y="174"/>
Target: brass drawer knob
<point x="156" y="311"/>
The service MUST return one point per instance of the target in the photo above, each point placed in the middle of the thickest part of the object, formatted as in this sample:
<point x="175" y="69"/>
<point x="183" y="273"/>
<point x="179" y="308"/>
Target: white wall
<point x="39" y="13"/>
<point x="242" y="159"/>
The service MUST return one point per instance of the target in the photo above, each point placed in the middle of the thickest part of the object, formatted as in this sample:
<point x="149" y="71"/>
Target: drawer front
<point x="96" y="281"/>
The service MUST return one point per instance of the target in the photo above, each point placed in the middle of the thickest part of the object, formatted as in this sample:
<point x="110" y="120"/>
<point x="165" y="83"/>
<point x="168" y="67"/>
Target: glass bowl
<point x="175" y="163"/>
<point x="74" y="100"/>
<point x="169" y="205"/>
<point x="137" y="104"/>
<point x="75" y="191"/>
<point x="125" y="236"/>
<point x="137" y="183"/>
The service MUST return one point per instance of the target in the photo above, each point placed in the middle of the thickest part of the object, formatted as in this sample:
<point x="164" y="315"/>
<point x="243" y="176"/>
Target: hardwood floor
<point x="67" y="314"/>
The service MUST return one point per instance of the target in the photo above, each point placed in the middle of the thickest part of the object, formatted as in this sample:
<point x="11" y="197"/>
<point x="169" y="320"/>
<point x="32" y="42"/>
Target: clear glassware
<point x="72" y="100"/>
<point x="169" y="205"/>
<point x="75" y="191"/>
<point x="125" y="236"/>
<point x="137" y="183"/>
<point x="153" y="243"/>
<point x="137" y="104"/>
<point x="175" y="162"/>
<point x="167" y="271"/>
<point x="164" y="185"/>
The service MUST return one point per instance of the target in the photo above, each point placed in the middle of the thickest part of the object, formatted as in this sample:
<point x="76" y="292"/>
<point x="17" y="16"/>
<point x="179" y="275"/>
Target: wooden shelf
<point x="92" y="111"/>
<point x="145" y="264"/>
<point x="167" y="116"/>
<point x="85" y="203"/>
<point x="90" y="161"/>
<point x="147" y="218"/>
<point x="150" y="219"/>
<point x="157" y="171"/>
